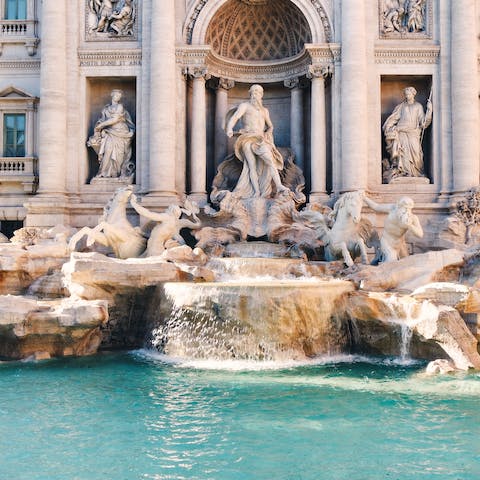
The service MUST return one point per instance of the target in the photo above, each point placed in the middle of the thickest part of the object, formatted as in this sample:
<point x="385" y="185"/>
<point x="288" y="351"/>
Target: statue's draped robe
<point x="116" y="144"/>
<point x="265" y="153"/>
<point x="403" y="129"/>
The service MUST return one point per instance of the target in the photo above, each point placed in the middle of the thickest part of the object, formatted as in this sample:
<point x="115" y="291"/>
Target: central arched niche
<point x="258" y="30"/>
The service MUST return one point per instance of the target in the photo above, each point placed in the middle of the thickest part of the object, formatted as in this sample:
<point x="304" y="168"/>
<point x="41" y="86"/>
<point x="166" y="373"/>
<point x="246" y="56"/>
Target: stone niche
<point x="277" y="99"/>
<point x="98" y="96"/>
<point x="392" y="87"/>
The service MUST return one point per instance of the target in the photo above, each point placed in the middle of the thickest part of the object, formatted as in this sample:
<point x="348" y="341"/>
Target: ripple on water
<point x="144" y="416"/>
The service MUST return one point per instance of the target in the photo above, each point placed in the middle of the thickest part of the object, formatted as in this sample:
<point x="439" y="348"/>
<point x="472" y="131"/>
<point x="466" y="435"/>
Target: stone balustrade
<point x="19" y="170"/>
<point x="19" y="32"/>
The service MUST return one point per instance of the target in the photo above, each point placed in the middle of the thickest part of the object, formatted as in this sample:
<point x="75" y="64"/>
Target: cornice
<point x="424" y="54"/>
<point x="93" y="58"/>
<point x="20" y="64"/>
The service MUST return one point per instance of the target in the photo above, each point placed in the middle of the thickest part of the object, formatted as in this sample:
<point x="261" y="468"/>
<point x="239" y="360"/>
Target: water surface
<point x="138" y="416"/>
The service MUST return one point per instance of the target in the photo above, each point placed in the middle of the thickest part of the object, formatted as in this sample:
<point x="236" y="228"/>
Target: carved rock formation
<point x="254" y="320"/>
<point x="385" y="324"/>
<point x="93" y="275"/>
<point x="20" y="267"/>
<point x="410" y="272"/>
<point x="50" y="328"/>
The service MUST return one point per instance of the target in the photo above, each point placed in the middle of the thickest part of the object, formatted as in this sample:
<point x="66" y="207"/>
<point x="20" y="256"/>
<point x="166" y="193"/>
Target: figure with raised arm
<point x="400" y="220"/>
<point x="255" y="148"/>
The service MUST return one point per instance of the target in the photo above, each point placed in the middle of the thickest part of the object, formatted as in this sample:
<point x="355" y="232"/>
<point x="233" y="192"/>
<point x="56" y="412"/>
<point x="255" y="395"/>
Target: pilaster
<point x="465" y="117"/>
<point x="354" y="111"/>
<point x="297" y="139"/>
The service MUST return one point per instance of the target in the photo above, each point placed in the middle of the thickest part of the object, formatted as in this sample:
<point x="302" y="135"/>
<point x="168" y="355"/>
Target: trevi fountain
<point x="262" y="260"/>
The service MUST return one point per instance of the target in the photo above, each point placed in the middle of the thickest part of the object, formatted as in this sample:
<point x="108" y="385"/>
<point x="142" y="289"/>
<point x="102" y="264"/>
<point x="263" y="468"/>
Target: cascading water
<point x="407" y="313"/>
<point x="253" y="319"/>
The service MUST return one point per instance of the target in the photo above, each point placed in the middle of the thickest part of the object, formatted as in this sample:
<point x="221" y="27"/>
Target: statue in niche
<point x="112" y="140"/>
<point x="400" y="220"/>
<point x="404" y="130"/>
<point x="115" y="17"/>
<point x="403" y="16"/>
<point x="255" y="148"/>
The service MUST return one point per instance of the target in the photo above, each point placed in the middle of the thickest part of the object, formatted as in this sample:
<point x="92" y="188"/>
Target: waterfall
<point x="253" y="320"/>
<point x="407" y="313"/>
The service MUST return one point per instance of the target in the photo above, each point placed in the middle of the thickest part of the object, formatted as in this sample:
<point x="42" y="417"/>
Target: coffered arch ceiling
<point x="305" y="21"/>
<point x="258" y="30"/>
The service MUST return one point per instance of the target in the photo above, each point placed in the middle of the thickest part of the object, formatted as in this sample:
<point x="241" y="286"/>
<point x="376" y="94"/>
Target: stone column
<point x="163" y="98"/>
<point x="296" y="120"/>
<point x="221" y="107"/>
<point x="53" y="100"/>
<point x="354" y="114"/>
<point x="198" y="147"/>
<point x="465" y="148"/>
<point x="318" y="140"/>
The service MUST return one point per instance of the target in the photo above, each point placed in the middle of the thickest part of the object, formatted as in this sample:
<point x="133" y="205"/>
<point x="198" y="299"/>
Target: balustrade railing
<point x="19" y="170"/>
<point x="15" y="28"/>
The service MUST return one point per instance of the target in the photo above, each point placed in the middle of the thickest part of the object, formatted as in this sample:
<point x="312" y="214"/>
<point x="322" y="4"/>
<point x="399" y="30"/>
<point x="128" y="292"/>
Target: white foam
<point x="417" y="383"/>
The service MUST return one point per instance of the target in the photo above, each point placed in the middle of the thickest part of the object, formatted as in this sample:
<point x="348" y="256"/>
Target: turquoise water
<point x="134" y="416"/>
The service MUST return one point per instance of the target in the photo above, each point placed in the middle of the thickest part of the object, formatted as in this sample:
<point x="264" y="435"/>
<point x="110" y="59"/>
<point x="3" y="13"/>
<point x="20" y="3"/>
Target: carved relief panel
<point x="405" y="18"/>
<point x="107" y="20"/>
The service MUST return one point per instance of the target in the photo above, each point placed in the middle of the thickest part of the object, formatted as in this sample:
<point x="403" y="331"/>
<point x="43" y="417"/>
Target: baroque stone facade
<point x="332" y="73"/>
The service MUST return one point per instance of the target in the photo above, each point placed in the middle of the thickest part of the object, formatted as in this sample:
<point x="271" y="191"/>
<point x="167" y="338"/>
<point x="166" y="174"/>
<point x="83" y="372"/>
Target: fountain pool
<point x="139" y="415"/>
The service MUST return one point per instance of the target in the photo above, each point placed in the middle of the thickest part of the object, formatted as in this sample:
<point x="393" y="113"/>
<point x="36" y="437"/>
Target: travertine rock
<point x="410" y="272"/>
<point x="19" y="267"/>
<point x="50" y="328"/>
<point x="384" y="324"/>
<point x="254" y="320"/>
<point x="93" y="275"/>
<point x="439" y="366"/>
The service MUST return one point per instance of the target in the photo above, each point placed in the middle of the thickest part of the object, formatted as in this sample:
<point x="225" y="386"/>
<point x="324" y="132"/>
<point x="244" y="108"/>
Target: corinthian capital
<point x="198" y="72"/>
<point x="319" y="71"/>
<point x="225" y="83"/>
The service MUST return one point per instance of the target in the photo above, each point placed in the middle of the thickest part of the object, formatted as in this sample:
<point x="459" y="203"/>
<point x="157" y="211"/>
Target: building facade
<point x="333" y="72"/>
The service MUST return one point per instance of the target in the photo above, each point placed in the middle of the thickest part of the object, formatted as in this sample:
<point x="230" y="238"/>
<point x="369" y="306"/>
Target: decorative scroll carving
<point x="317" y="71"/>
<point x="111" y="19"/>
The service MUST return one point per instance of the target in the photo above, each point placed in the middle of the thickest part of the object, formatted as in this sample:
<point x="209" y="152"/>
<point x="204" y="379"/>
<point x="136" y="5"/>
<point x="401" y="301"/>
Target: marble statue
<point x="255" y="148"/>
<point x="112" y="140"/>
<point x="416" y="15"/>
<point x="166" y="232"/>
<point x="122" y="22"/>
<point x="115" y="17"/>
<point x="404" y="130"/>
<point x="349" y="234"/>
<point x="399" y="221"/>
<point x="393" y="13"/>
<point x="403" y="16"/>
<point x="114" y="229"/>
